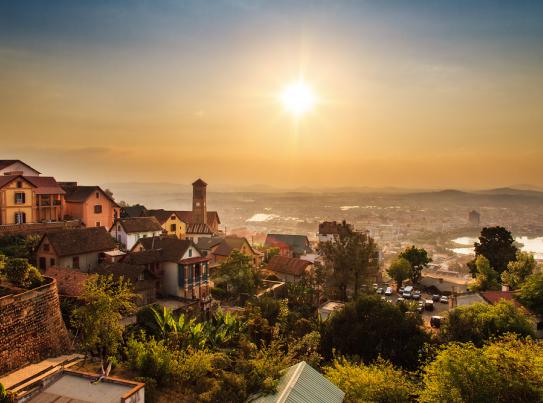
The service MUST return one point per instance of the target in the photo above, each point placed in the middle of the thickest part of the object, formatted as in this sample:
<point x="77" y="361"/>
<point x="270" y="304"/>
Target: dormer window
<point x="190" y="252"/>
<point x="142" y="277"/>
<point x="19" y="184"/>
<point x="97" y="194"/>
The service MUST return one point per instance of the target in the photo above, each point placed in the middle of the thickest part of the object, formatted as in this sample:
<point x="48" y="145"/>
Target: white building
<point x="129" y="230"/>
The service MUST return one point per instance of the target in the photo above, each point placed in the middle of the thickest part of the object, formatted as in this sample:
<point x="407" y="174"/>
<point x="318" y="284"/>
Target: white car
<point x="389" y="291"/>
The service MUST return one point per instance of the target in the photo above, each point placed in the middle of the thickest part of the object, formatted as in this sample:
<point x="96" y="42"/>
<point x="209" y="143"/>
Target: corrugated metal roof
<point x="303" y="384"/>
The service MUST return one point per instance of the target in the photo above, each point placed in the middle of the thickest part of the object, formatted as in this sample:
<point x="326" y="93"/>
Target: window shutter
<point x="23" y="198"/>
<point x="24" y="216"/>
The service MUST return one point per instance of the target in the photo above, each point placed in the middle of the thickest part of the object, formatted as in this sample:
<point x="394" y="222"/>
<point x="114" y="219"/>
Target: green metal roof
<point x="303" y="384"/>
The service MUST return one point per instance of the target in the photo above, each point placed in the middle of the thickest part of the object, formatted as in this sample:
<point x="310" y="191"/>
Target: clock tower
<point x="199" y="208"/>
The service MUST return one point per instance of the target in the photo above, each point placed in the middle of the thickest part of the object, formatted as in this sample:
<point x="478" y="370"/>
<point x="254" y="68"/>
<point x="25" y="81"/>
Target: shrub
<point x="273" y="277"/>
<point x="218" y="293"/>
<point x="146" y="316"/>
<point x="17" y="270"/>
<point x="7" y="396"/>
<point x="150" y="386"/>
<point x="34" y="277"/>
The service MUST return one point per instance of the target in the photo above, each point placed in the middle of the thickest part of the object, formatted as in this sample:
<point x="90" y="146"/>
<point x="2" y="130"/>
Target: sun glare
<point x="298" y="98"/>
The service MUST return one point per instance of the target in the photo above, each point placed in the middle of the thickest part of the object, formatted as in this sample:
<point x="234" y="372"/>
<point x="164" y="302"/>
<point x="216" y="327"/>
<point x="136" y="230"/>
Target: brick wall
<point x="31" y="327"/>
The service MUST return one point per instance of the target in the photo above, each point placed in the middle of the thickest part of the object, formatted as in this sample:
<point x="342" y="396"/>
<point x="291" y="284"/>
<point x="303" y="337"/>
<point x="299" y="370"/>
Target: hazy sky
<point x="435" y="93"/>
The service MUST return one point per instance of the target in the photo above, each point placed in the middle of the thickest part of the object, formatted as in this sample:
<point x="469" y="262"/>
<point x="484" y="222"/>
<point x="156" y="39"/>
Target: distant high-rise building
<point x="474" y="218"/>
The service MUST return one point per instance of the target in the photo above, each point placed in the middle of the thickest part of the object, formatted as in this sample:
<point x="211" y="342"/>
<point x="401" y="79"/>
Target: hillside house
<point x="288" y="268"/>
<point x="169" y="220"/>
<point x="17" y="167"/>
<point x="128" y="230"/>
<point x="289" y="245"/>
<point x="89" y="204"/>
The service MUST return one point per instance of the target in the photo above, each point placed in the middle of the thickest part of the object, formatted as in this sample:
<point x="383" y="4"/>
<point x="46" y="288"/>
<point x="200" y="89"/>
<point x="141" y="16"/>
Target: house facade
<point x="169" y="220"/>
<point x="89" y="204"/>
<point x="223" y="250"/>
<point x="81" y="248"/>
<point x="288" y="268"/>
<point x="129" y="230"/>
<point x="289" y="245"/>
<point x="185" y="268"/>
<point x="16" y="167"/>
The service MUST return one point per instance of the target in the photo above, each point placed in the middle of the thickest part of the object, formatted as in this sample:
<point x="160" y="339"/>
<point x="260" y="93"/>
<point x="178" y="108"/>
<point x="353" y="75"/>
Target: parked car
<point x="389" y="291"/>
<point x="435" y="298"/>
<point x="379" y="291"/>
<point x="429" y="305"/>
<point x="416" y="295"/>
<point x="375" y="286"/>
<point x="444" y="300"/>
<point x="420" y="307"/>
<point x="401" y="290"/>
<point x="407" y="292"/>
<point x="435" y="321"/>
<point x="400" y="300"/>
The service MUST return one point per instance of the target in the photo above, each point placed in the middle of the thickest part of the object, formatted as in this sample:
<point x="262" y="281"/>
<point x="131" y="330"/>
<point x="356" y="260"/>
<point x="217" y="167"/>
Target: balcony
<point x="57" y="202"/>
<point x="197" y="280"/>
<point x="45" y="203"/>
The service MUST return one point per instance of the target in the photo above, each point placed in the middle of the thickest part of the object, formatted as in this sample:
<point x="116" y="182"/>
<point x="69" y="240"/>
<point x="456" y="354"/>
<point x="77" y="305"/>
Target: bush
<point x="7" y="396"/>
<point x="146" y="317"/>
<point x="273" y="277"/>
<point x="34" y="277"/>
<point x="17" y="270"/>
<point x="150" y="386"/>
<point x="218" y="293"/>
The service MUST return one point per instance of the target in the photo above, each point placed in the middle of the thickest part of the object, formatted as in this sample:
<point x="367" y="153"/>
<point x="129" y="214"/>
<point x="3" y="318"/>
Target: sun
<point x="298" y="98"/>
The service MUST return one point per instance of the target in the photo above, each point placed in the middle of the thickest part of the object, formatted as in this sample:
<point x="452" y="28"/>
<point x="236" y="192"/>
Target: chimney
<point x="505" y="287"/>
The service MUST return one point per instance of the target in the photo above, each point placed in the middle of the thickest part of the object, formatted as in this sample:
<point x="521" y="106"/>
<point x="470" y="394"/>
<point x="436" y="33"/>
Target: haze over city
<point x="423" y="94"/>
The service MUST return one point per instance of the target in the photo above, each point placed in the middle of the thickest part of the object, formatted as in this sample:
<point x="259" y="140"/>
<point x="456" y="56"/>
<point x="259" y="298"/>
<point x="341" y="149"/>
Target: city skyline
<point x="412" y="95"/>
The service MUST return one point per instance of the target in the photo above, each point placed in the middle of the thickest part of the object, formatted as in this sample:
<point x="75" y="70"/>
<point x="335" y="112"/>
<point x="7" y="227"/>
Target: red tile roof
<point x="80" y="240"/>
<point x="46" y="185"/>
<point x="228" y="244"/>
<point x="287" y="265"/>
<point x="192" y="260"/>
<point x="4" y="180"/>
<point x="172" y="248"/>
<point x="80" y="194"/>
<point x="70" y="282"/>
<point x="186" y="216"/>
<point x="193" y="228"/>
<point x="161" y="215"/>
<point x="137" y="224"/>
<point x="199" y="182"/>
<point x="129" y="272"/>
<point x="493" y="297"/>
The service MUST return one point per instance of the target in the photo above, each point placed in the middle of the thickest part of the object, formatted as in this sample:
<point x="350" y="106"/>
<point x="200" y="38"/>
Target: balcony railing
<point x="57" y="202"/>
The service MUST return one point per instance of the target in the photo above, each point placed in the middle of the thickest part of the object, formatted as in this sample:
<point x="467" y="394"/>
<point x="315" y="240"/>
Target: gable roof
<point x="172" y="248"/>
<point x="161" y="215"/>
<point x="186" y="216"/>
<point x="206" y="243"/>
<point x="5" y="179"/>
<point x="493" y="297"/>
<point x="297" y="242"/>
<point x="70" y="282"/>
<point x="199" y="182"/>
<point x="80" y="194"/>
<point x="80" y="240"/>
<point x="137" y="224"/>
<point x="132" y="211"/>
<point x="7" y="163"/>
<point x="46" y="185"/>
<point x="129" y="272"/>
<point x="287" y="265"/>
<point x="301" y="383"/>
<point x="228" y="244"/>
<point x="144" y="257"/>
<point x="193" y="228"/>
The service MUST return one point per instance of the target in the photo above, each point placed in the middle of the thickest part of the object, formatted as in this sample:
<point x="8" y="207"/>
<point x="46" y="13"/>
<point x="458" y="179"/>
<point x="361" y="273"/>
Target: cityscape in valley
<point x="271" y="201"/>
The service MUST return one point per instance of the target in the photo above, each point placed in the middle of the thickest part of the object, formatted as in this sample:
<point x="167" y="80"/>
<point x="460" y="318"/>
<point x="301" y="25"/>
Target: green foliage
<point x="67" y="306"/>
<point x="479" y="322"/>
<point x="218" y="293"/>
<point x="273" y="252"/>
<point x="377" y="382"/>
<point x="146" y="317"/>
<point x="518" y="271"/>
<point x="100" y="308"/>
<point x="273" y="277"/>
<point x="7" y="396"/>
<point x="150" y="387"/>
<point x="418" y="258"/>
<point x="504" y="370"/>
<point x="399" y="270"/>
<point x="298" y="294"/>
<point x="35" y="279"/>
<point x="496" y="245"/>
<point x="264" y="317"/>
<point x="371" y="328"/>
<point x="3" y="261"/>
<point x="17" y="270"/>
<point x="531" y="293"/>
<point x="30" y="245"/>
<point x="239" y="273"/>
<point x="486" y="278"/>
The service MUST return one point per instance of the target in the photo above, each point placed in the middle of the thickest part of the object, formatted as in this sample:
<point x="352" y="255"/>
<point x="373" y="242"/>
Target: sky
<point x="424" y="94"/>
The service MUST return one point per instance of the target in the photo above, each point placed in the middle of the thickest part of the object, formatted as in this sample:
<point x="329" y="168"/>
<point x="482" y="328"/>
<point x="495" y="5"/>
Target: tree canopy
<point x="239" y="273"/>
<point x="418" y="258"/>
<point x="517" y="271"/>
<point x="486" y="278"/>
<point x="531" y="292"/>
<point x="496" y="245"/>
<point x="399" y="271"/>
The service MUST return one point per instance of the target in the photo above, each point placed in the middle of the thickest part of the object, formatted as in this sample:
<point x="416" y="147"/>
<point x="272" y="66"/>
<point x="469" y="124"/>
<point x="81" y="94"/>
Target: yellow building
<point x="169" y="220"/>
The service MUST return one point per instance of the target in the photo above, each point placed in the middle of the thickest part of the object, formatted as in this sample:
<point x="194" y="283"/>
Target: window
<point x="190" y="252"/>
<point x="20" y="198"/>
<point x="173" y="217"/>
<point x="97" y="194"/>
<point x="142" y="277"/>
<point x="98" y="224"/>
<point x="173" y="227"/>
<point x="141" y="248"/>
<point x="197" y="270"/>
<point x="46" y="247"/>
<point x="144" y="236"/>
<point x="119" y="237"/>
<point x="19" y="184"/>
<point x="75" y="262"/>
<point x="119" y="228"/>
<point x="98" y="209"/>
<point x="20" y="218"/>
<point x="52" y="262"/>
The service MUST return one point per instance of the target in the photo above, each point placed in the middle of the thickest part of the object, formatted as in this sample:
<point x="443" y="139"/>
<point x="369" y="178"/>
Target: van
<point x="407" y="291"/>
<point x="435" y="321"/>
<point x="429" y="305"/>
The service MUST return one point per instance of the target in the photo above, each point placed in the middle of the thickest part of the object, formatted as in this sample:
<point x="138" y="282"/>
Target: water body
<point x="262" y="217"/>
<point x="534" y="245"/>
<point x="348" y="207"/>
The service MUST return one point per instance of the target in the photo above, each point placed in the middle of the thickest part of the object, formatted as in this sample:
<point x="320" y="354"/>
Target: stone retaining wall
<point x="31" y="327"/>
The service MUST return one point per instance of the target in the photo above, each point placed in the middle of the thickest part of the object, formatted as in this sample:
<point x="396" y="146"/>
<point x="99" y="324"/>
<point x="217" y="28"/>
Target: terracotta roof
<point x="128" y="271"/>
<point x="46" y="185"/>
<point x="5" y="179"/>
<point x="186" y="216"/>
<point x="144" y="257"/>
<point x="206" y="243"/>
<point x="193" y="228"/>
<point x="137" y="224"/>
<point x="132" y="211"/>
<point x="81" y="240"/>
<point x="228" y="244"/>
<point x="161" y="215"/>
<point x="199" y="182"/>
<point x="192" y="260"/>
<point x="287" y="265"/>
<point x="70" y="282"/>
<point x="172" y="248"/>
<point x="80" y="194"/>
<point x="8" y="163"/>
<point x="493" y="297"/>
<point x="298" y="242"/>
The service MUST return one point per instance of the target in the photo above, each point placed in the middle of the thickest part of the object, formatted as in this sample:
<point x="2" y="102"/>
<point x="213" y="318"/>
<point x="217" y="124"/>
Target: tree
<point x="273" y="252"/>
<point x="399" y="270"/>
<point x="109" y="193"/>
<point x="517" y="271"/>
<point x="17" y="271"/>
<point x="370" y="327"/>
<point x="351" y="257"/>
<point x="377" y="382"/>
<point x="102" y="304"/>
<point x="504" y="370"/>
<point x="496" y="245"/>
<point x="486" y="278"/>
<point x="418" y="257"/>
<point x="531" y="293"/>
<point x="479" y="322"/>
<point x="239" y="273"/>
